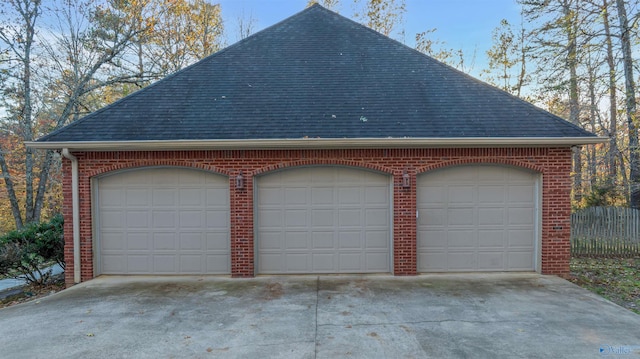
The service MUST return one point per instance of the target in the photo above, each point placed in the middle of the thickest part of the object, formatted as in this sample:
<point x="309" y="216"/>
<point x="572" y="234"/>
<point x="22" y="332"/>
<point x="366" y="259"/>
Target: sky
<point x="461" y="24"/>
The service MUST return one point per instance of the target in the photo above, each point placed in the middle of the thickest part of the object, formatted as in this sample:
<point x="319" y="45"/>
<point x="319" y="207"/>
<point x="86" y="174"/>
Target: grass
<point x="616" y="279"/>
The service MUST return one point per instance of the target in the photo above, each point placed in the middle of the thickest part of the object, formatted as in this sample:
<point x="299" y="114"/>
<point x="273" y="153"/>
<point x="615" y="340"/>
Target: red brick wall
<point x="553" y="163"/>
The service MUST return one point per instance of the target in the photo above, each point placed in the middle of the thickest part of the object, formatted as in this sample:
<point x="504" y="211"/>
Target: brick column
<point x="241" y="231"/>
<point x="404" y="224"/>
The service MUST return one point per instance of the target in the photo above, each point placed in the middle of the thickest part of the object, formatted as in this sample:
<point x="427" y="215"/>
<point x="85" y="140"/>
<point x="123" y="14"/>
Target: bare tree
<point x="630" y="94"/>
<point x="19" y="38"/>
<point x="83" y="54"/>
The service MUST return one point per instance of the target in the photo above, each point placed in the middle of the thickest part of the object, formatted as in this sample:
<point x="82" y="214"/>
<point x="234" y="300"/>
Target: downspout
<point x="75" y="200"/>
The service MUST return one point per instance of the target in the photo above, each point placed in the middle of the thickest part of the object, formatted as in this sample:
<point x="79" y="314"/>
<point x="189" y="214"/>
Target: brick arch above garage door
<point x="323" y="219"/>
<point x="162" y="220"/>
<point x="478" y="217"/>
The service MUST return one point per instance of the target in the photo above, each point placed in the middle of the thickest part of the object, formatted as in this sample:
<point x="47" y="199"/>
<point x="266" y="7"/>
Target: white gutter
<point x="75" y="214"/>
<point x="323" y="143"/>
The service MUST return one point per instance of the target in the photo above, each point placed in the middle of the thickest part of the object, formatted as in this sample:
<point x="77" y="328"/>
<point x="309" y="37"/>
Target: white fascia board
<point x="318" y="143"/>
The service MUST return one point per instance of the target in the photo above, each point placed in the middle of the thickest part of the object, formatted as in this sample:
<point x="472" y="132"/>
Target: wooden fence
<point x="605" y="232"/>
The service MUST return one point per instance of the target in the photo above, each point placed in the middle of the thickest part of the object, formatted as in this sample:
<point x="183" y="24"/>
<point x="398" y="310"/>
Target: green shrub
<point x="24" y="253"/>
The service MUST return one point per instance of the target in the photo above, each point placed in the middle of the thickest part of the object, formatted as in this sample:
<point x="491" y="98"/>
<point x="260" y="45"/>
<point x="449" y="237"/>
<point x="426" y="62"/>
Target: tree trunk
<point x="593" y="113"/>
<point x="13" y="200"/>
<point x="571" y="28"/>
<point x="612" y="155"/>
<point x="43" y="179"/>
<point x="630" y="93"/>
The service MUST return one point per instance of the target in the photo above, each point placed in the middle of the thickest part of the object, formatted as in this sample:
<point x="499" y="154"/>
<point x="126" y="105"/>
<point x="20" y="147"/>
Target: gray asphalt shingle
<point x="317" y="75"/>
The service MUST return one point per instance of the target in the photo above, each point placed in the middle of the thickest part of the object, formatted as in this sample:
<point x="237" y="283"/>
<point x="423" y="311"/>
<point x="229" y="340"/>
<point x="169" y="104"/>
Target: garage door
<point x="163" y="221"/>
<point x="323" y="220"/>
<point x="477" y="218"/>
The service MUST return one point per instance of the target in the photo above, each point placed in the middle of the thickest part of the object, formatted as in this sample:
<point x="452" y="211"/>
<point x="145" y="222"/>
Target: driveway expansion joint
<point x="422" y="322"/>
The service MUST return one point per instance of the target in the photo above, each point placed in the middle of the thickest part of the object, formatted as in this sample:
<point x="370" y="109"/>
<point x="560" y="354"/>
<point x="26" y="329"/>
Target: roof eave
<point x="313" y="143"/>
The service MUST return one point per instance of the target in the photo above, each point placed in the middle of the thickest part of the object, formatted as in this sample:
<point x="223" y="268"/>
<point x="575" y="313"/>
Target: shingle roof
<point x="316" y="75"/>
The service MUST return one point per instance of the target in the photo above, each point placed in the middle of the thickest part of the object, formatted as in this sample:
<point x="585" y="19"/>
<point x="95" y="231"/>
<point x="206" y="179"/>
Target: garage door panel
<point x="271" y="262"/>
<point x="271" y="241"/>
<point x="217" y="243"/>
<point x="339" y="210"/>
<point x="324" y="195"/>
<point x="350" y="262"/>
<point x="377" y="240"/>
<point x="296" y="218"/>
<point x="217" y="263"/>
<point x="376" y="195"/>
<point x="217" y="219"/>
<point x="345" y="196"/>
<point x="165" y="264"/>
<point x="491" y="216"/>
<point x="521" y="216"/>
<point x="491" y="261"/>
<point x="491" y="238"/>
<point x="192" y="219"/>
<point x="461" y="194"/>
<point x="134" y="197"/>
<point x="349" y="217"/>
<point x="460" y="217"/>
<point x="461" y="261"/>
<point x="217" y="198"/>
<point x="434" y="261"/>
<point x="476" y="218"/>
<point x="112" y="197"/>
<point x="323" y="240"/>
<point x="138" y="264"/>
<point x="491" y="194"/>
<point x="190" y="197"/>
<point x="136" y="219"/>
<point x="192" y="241"/>
<point x="521" y="193"/>
<point x="520" y="260"/>
<point x="137" y="241"/>
<point x="295" y="196"/>
<point x="112" y="219"/>
<point x="432" y="217"/>
<point x="323" y="262"/>
<point x="377" y="262"/>
<point x="113" y="240"/>
<point x="461" y="238"/>
<point x="350" y="240"/>
<point x="297" y="262"/>
<point x="377" y="217"/>
<point x="270" y="196"/>
<point x="317" y="178"/>
<point x="271" y="218"/>
<point x="163" y="241"/>
<point x="164" y="220"/>
<point x="322" y="218"/>
<point x="496" y="174"/>
<point x="296" y="240"/>
<point x="432" y="195"/>
<point x="162" y="197"/>
<point x="520" y="238"/>
<point x="191" y="263"/>
<point x="437" y="239"/>
<point x="113" y="262"/>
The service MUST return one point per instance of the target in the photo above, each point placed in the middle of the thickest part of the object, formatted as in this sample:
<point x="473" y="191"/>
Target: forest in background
<point x="62" y="59"/>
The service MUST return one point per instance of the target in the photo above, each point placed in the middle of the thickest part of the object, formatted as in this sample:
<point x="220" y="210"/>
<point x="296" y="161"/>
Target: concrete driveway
<point x="438" y="316"/>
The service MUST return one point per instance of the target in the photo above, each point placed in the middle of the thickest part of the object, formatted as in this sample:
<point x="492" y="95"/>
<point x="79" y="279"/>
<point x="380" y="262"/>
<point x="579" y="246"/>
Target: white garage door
<point x="477" y="218"/>
<point x="163" y="221"/>
<point x="323" y="220"/>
